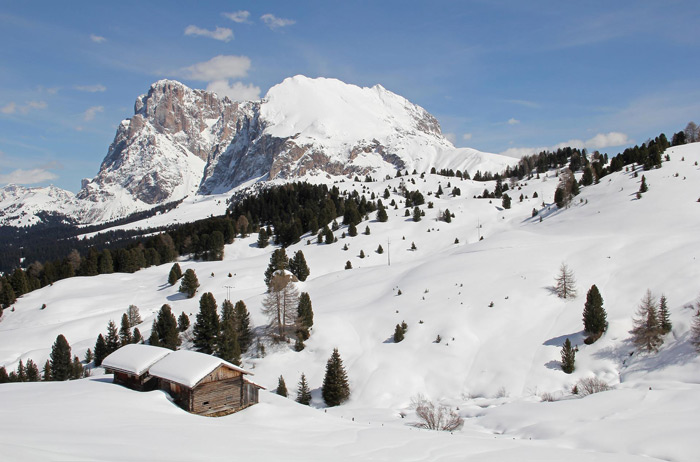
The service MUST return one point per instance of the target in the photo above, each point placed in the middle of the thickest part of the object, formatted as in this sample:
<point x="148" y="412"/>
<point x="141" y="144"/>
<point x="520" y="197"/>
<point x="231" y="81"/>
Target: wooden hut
<point x="130" y="365"/>
<point x="204" y="384"/>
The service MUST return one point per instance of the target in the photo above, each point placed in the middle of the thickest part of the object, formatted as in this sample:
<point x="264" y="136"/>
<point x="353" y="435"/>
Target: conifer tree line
<point x="335" y="389"/>
<point x="60" y="366"/>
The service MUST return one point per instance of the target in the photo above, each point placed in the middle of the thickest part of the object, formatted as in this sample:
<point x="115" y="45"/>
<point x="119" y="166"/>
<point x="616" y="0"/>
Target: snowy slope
<point x="493" y="362"/>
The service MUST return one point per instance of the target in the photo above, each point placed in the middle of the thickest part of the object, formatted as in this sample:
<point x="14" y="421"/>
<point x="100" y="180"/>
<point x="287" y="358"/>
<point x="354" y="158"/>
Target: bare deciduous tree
<point x="435" y="417"/>
<point x="647" y="333"/>
<point x="133" y="315"/>
<point x="691" y="132"/>
<point x="280" y="303"/>
<point x="695" y="329"/>
<point x="566" y="283"/>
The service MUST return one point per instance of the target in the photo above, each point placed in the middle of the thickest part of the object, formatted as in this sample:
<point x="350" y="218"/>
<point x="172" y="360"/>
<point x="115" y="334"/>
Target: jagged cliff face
<point x="181" y="142"/>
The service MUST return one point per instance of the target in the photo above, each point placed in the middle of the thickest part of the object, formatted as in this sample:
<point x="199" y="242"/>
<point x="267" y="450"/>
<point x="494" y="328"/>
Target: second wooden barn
<point x="204" y="384"/>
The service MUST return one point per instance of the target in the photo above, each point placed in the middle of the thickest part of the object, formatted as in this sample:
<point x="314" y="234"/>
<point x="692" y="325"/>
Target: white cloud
<point x="91" y="112"/>
<point x="220" y="33"/>
<point x="237" y="16"/>
<point x="513" y="121"/>
<point x="523" y="102"/>
<point x="604" y="140"/>
<point x="451" y="137"/>
<point x="467" y="136"/>
<point x="237" y="91"/>
<point x="273" y="22"/>
<point x="91" y="88"/>
<point x="19" y="176"/>
<point x="220" y="67"/>
<point x="599" y="141"/>
<point x="97" y="38"/>
<point x="12" y="107"/>
<point x="9" y="108"/>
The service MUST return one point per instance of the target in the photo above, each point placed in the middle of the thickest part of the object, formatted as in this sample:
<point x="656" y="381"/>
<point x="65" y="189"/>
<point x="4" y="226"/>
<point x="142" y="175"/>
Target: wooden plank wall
<point x="208" y="397"/>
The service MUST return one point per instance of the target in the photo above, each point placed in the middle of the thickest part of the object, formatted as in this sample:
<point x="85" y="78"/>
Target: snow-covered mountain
<point x="183" y="142"/>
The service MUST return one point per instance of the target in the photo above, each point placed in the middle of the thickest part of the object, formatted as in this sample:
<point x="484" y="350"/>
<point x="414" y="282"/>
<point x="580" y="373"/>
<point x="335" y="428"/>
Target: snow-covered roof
<point x="189" y="367"/>
<point x="135" y="358"/>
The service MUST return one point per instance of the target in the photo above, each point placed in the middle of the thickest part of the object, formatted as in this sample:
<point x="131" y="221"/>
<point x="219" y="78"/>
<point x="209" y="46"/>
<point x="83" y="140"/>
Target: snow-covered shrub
<point x="435" y="417"/>
<point x="588" y="386"/>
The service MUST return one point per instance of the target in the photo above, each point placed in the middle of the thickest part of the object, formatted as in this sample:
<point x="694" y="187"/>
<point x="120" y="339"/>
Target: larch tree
<point x="647" y="333"/>
<point x="594" y="316"/>
<point x="133" y="315"/>
<point x="695" y="329"/>
<point x="336" y="388"/>
<point x="565" y="283"/>
<point x="206" y="327"/>
<point x="280" y="304"/>
<point x="303" y="392"/>
<point x="60" y="359"/>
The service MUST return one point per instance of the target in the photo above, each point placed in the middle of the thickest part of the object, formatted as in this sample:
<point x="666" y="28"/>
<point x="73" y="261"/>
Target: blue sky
<point x="500" y="76"/>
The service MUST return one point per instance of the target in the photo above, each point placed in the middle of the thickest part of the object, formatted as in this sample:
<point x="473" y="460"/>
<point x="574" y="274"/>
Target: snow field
<point x="501" y="359"/>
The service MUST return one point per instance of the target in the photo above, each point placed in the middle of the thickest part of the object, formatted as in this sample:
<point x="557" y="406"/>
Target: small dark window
<point x="205" y="403"/>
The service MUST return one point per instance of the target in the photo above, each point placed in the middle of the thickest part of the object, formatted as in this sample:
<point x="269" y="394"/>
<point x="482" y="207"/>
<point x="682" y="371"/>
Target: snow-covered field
<point x="493" y="363"/>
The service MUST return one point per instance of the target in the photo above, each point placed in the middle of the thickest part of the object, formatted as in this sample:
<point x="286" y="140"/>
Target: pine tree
<point x="416" y="214"/>
<point x="4" y="378"/>
<point x="335" y="388"/>
<point x="243" y="330"/>
<point x="380" y="249"/>
<point x="305" y="313"/>
<point x="166" y="328"/>
<point x="594" y="315"/>
<point x="175" y="274"/>
<point x="206" y="327"/>
<point x="46" y="371"/>
<point x="76" y="369"/>
<point x="32" y="371"/>
<point x="134" y="316"/>
<point x="60" y="359"/>
<point x="183" y="322"/>
<point x="124" y="331"/>
<point x="352" y="230"/>
<point x="153" y="339"/>
<point x="643" y="186"/>
<point x="505" y="202"/>
<point x="281" y="387"/>
<point x="398" y="334"/>
<point x="112" y="339"/>
<point x="89" y="356"/>
<point x="568" y="357"/>
<point x="263" y="238"/>
<point x="382" y="216"/>
<point x="566" y="284"/>
<point x="189" y="284"/>
<point x="228" y="347"/>
<point x="298" y="266"/>
<point x="348" y="265"/>
<point x="303" y="392"/>
<point x="100" y="350"/>
<point x="278" y="261"/>
<point x="138" y="338"/>
<point x="646" y="334"/>
<point x="21" y="372"/>
<point x="664" y="316"/>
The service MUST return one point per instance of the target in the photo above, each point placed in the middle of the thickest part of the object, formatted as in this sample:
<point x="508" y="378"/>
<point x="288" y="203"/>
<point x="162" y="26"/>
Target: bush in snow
<point x="435" y="417"/>
<point x="590" y="385"/>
